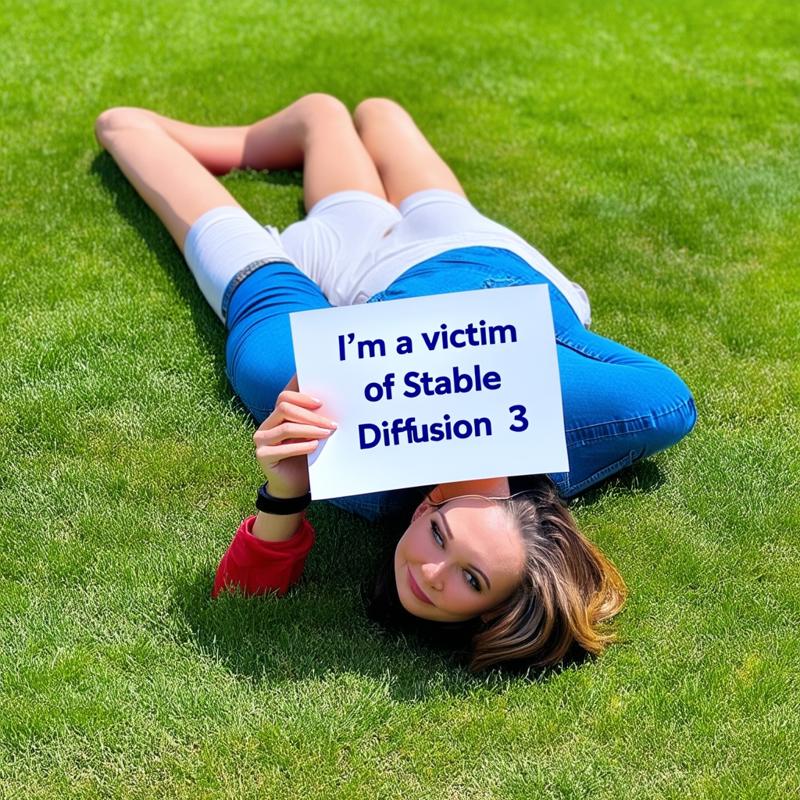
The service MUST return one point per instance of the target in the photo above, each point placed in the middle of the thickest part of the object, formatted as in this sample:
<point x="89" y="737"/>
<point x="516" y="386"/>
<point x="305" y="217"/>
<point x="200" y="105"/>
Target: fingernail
<point x="316" y="400"/>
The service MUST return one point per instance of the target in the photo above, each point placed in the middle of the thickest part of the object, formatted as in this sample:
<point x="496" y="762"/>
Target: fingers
<point x="299" y="398"/>
<point x="290" y="430"/>
<point x="293" y="430"/>
<point x="302" y="411"/>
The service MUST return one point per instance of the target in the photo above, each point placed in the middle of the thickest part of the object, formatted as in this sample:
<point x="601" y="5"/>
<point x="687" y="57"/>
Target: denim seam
<point x="577" y="349"/>
<point x="658" y="415"/>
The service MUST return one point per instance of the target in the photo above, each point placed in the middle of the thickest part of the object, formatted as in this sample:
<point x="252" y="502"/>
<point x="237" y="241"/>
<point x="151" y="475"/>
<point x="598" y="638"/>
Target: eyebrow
<point x="471" y="566"/>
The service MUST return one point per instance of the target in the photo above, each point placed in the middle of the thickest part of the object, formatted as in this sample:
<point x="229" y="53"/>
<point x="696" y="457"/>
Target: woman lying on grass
<point x="496" y="569"/>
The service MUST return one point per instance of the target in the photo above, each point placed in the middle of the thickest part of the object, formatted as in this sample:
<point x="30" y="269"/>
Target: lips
<point x="416" y="590"/>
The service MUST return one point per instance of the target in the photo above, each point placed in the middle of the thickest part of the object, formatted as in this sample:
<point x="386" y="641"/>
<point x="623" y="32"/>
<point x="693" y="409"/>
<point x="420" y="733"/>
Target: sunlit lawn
<point x="651" y="152"/>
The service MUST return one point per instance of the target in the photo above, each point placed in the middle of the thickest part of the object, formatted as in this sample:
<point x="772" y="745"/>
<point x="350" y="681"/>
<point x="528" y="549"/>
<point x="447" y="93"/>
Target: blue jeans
<point x="619" y="405"/>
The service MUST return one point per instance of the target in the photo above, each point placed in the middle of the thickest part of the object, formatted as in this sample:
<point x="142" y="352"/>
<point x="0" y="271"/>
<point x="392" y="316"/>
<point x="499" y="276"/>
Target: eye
<point x="439" y="539"/>
<point x="472" y="581"/>
<point x="437" y="536"/>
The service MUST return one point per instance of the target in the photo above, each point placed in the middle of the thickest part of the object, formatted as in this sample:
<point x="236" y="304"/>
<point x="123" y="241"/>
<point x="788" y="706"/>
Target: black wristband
<point x="279" y="505"/>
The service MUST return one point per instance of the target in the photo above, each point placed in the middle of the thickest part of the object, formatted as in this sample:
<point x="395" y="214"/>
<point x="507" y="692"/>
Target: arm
<point x="269" y="551"/>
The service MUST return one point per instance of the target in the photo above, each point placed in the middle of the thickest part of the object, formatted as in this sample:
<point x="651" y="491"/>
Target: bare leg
<point x="405" y="159"/>
<point x="170" y="163"/>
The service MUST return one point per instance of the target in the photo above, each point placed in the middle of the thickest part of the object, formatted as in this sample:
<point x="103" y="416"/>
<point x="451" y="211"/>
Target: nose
<point x="433" y="572"/>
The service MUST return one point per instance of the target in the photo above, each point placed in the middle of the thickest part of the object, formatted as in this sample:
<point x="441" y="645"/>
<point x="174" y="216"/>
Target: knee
<point x="631" y="421"/>
<point x="672" y="410"/>
<point x="320" y="105"/>
<point x="631" y="409"/>
<point x="684" y="417"/>
<point x="119" y="118"/>
<point x="374" y="108"/>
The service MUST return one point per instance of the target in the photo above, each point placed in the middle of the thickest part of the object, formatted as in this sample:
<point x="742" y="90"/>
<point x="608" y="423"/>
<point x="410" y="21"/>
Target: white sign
<point x="433" y="389"/>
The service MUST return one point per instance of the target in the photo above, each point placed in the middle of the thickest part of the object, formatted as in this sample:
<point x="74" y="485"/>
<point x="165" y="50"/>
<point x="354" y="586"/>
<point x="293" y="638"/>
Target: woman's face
<point x="458" y="560"/>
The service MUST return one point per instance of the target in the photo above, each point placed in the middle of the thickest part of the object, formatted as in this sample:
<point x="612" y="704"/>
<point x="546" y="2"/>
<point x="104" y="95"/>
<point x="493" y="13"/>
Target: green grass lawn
<point x="650" y="150"/>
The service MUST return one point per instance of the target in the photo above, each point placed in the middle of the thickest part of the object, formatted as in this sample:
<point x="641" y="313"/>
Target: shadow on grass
<point x="317" y="631"/>
<point x="283" y="177"/>
<point x="320" y="627"/>
<point x="643" y="477"/>
<point x="139" y="216"/>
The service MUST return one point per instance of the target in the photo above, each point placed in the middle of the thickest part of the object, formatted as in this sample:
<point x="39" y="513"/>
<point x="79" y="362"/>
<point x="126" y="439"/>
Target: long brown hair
<point x="568" y="590"/>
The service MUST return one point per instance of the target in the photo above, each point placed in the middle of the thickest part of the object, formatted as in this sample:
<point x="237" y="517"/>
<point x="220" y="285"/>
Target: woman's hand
<point x="286" y="437"/>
